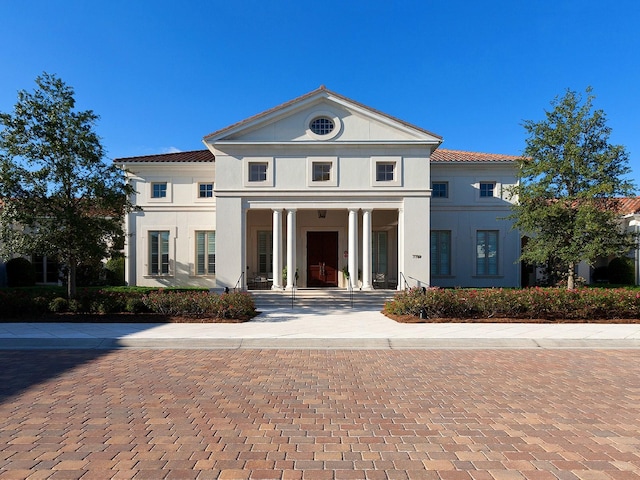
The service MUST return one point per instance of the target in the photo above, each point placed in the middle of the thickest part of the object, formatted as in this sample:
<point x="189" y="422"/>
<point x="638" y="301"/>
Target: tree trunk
<point x="71" y="279"/>
<point x="571" y="281"/>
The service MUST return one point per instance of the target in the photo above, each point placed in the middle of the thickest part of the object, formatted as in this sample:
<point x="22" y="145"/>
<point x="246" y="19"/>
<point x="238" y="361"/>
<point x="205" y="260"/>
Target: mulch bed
<point x="122" y="318"/>
<point x="160" y="318"/>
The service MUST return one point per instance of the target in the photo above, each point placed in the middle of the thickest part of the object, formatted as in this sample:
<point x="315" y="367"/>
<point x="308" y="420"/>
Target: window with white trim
<point x="46" y="268"/>
<point x="385" y="171"/>
<point x="159" y="190"/>
<point x="322" y="125"/>
<point x="440" y="189"/>
<point x="205" y="190"/>
<point x="440" y="252"/>
<point x="159" y="252"/>
<point x="205" y="252"/>
<point x="487" y="252"/>
<point x="258" y="171"/>
<point x="487" y="189"/>
<point x="321" y="172"/>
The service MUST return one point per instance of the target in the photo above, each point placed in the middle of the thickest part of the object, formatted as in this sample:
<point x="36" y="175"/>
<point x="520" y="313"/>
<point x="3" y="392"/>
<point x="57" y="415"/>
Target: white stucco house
<point x="319" y="186"/>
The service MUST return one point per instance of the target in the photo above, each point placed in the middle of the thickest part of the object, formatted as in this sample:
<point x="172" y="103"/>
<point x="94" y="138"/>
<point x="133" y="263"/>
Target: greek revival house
<point x="322" y="191"/>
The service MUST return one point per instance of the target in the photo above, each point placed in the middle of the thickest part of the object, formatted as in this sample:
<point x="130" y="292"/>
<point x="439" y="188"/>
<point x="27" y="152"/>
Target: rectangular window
<point x="159" y="190"/>
<point x="487" y="252"/>
<point x="440" y="190"/>
<point x="487" y="189"/>
<point x="205" y="253"/>
<point x="265" y="252"/>
<point x="258" y="172"/>
<point x="159" y="252"/>
<point x="385" y="172"/>
<point x="379" y="252"/>
<point x="205" y="190"/>
<point x="321" y="172"/>
<point x="440" y="252"/>
<point x="46" y="268"/>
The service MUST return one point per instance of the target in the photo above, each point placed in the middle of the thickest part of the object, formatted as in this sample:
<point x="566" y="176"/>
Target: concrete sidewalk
<point x="306" y="328"/>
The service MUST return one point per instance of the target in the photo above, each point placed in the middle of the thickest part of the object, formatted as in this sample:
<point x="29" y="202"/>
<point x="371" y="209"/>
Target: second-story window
<point x="385" y="172"/>
<point x="258" y="172"/>
<point x="321" y="171"/>
<point x="440" y="190"/>
<point x="159" y="190"/>
<point x="205" y="190"/>
<point x="487" y="189"/>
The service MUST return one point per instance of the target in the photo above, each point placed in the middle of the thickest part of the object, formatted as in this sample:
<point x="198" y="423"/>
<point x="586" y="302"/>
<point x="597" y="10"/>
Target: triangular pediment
<point x="337" y="120"/>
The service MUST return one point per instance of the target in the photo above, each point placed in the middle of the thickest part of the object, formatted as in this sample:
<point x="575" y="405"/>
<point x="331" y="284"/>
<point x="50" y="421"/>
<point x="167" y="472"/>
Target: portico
<point x="322" y="244"/>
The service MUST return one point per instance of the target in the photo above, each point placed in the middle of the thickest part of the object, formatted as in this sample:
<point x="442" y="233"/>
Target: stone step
<point x="325" y="298"/>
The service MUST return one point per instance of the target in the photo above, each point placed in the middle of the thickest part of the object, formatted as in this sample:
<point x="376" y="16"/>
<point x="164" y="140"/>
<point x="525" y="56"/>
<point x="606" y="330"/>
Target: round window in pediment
<point x="322" y="125"/>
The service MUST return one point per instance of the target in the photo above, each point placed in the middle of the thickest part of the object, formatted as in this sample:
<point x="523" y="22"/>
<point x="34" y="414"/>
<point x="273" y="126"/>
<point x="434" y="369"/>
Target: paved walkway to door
<point x="527" y="414"/>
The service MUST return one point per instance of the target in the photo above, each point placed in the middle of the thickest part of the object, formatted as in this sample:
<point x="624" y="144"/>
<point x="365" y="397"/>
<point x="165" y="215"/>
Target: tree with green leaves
<point x="59" y="197"/>
<point x="571" y="179"/>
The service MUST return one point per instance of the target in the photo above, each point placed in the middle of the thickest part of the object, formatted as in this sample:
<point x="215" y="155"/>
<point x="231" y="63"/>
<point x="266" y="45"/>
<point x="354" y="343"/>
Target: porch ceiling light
<point x="322" y="214"/>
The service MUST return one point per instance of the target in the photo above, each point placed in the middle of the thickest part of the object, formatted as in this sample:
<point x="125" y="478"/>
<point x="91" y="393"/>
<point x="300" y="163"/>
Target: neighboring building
<point x="630" y="221"/>
<point x="317" y="186"/>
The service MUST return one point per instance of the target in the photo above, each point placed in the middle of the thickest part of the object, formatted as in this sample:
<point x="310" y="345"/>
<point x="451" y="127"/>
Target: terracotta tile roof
<point x="629" y="205"/>
<point x="440" y="155"/>
<point x="180" y="157"/>
<point x="309" y="95"/>
<point x="444" y="155"/>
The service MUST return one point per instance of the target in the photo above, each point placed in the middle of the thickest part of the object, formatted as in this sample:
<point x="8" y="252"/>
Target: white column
<point x="366" y="249"/>
<point x="401" y="249"/>
<point x="353" y="246"/>
<point x="277" y="250"/>
<point x="291" y="247"/>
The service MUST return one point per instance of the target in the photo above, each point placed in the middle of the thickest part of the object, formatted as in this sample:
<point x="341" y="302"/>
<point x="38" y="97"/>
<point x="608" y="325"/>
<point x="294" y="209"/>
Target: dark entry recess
<point x="322" y="259"/>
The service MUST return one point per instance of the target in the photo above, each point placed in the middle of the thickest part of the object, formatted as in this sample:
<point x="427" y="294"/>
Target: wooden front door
<point x="322" y="259"/>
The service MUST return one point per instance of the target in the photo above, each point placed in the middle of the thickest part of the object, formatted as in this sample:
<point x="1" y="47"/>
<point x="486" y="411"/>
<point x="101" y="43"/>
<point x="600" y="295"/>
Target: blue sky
<point x="162" y="74"/>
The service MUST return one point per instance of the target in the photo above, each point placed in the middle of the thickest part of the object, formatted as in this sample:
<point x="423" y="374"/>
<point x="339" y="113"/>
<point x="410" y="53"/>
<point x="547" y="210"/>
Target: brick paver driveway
<point x="465" y="414"/>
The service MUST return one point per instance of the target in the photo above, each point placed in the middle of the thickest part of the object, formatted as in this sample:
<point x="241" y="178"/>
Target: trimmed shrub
<point x="135" y="305"/>
<point x="58" y="305"/>
<point x="200" y="304"/>
<point x="530" y="303"/>
<point x="20" y="273"/>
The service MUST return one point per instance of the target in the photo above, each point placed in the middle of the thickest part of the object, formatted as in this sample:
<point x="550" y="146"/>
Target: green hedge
<point x="34" y="303"/>
<point x="201" y="304"/>
<point x="530" y="303"/>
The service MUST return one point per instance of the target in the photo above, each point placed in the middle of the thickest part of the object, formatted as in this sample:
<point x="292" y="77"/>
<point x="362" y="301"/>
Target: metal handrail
<point x="239" y="282"/>
<point x="293" y="290"/>
<point x="419" y="283"/>
<point x="406" y="284"/>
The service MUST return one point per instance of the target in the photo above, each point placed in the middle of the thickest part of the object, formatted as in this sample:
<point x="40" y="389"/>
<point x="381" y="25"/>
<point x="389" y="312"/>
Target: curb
<point x="313" y="343"/>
